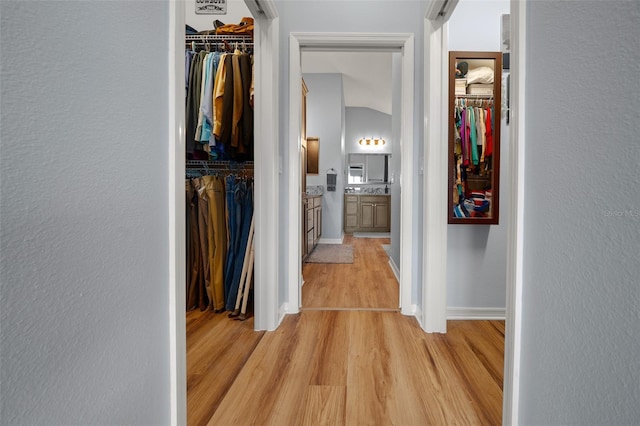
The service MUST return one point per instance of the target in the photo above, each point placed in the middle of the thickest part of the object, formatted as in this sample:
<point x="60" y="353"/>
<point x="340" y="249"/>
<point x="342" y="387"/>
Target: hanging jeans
<point x="240" y="205"/>
<point x="217" y="239"/>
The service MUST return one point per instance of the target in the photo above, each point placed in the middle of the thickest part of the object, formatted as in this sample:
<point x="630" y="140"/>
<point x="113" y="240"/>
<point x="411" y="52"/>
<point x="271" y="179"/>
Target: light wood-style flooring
<point x="343" y="367"/>
<point x="365" y="284"/>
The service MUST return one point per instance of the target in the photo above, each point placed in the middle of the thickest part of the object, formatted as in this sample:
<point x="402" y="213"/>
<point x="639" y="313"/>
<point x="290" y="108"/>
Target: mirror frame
<point x="454" y="57"/>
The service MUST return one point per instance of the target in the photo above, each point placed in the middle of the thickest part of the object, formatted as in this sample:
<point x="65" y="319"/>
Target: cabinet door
<point x="304" y="248"/>
<point x="317" y="223"/>
<point x="381" y="216"/>
<point x="310" y="240"/>
<point x="366" y="215"/>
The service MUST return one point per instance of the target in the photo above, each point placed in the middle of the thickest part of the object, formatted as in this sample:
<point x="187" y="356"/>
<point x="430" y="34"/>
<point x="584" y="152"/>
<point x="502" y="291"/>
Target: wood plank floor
<point x="344" y="367"/>
<point x="366" y="283"/>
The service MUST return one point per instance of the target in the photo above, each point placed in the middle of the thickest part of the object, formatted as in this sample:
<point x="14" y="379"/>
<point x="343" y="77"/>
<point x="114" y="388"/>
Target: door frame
<point x="267" y="116"/>
<point x="434" y="264"/>
<point x="332" y="41"/>
<point x="266" y="90"/>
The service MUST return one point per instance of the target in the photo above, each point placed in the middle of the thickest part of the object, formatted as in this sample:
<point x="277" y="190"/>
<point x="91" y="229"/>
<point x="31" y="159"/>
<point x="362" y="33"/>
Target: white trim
<point x="460" y="313"/>
<point x="266" y="118"/>
<point x="177" y="220"/>
<point x="394" y="269"/>
<point x="406" y="177"/>
<point x="350" y="42"/>
<point x="441" y="10"/>
<point x="418" y="315"/>
<point x="435" y="182"/>
<point x="266" y="194"/>
<point x="516" y="209"/>
<point x="282" y="312"/>
<point x="294" y="211"/>
<point x="332" y="240"/>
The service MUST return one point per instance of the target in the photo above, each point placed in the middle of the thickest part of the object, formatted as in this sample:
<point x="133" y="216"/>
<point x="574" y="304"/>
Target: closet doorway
<point x="351" y="97"/>
<point x="403" y="45"/>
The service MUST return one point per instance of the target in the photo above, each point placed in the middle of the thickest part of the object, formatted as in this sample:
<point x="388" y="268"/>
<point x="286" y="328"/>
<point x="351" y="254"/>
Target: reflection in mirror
<point x="474" y="136"/>
<point x="368" y="168"/>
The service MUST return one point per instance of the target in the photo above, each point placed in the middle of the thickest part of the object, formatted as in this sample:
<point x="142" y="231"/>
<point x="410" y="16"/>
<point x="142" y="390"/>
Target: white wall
<point x="236" y="10"/>
<point x="84" y="213"/>
<point x="325" y="120"/>
<point x="403" y="16"/>
<point x="580" y="321"/>
<point x="476" y="254"/>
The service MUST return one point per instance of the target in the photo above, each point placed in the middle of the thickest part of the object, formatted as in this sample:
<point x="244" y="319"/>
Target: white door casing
<point x="350" y="42"/>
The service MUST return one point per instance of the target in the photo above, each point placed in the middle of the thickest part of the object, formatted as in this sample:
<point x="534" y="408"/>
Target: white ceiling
<point x="366" y="77"/>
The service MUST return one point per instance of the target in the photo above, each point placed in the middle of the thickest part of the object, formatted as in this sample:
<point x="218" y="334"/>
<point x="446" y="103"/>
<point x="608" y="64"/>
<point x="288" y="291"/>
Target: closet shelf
<point x="476" y="96"/>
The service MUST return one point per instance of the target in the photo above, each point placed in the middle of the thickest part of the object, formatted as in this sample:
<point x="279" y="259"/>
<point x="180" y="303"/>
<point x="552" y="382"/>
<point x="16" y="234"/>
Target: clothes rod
<point x="217" y="164"/>
<point x="213" y="37"/>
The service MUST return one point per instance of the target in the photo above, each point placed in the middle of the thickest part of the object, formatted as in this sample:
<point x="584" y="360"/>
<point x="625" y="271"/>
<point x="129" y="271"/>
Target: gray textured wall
<point x="84" y="213"/>
<point x="580" y="323"/>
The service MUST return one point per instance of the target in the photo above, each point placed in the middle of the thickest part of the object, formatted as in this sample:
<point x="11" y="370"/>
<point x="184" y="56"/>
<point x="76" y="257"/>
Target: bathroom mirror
<point x="475" y="80"/>
<point x="368" y="169"/>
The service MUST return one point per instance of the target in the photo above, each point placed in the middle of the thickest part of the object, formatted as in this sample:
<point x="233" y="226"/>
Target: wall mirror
<point x="368" y="168"/>
<point x="475" y="80"/>
<point x="313" y="155"/>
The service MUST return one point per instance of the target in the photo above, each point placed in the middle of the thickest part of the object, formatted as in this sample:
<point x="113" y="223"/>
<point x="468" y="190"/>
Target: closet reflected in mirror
<point x="474" y="137"/>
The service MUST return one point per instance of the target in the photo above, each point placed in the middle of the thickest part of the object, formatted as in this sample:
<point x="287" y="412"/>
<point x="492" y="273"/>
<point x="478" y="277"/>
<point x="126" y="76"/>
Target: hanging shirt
<point x="206" y="107"/>
<point x="237" y="102"/>
<point x="188" y="57"/>
<point x="473" y="137"/>
<point x="218" y="96"/>
<point x="489" y="134"/>
<point x="205" y="69"/>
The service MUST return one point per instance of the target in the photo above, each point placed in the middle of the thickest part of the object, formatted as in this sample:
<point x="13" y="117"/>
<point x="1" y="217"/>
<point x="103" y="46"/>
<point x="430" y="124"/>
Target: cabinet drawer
<point x="351" y="198"/>
<point x="374" y="199"/>
<point x="317" y="202"/>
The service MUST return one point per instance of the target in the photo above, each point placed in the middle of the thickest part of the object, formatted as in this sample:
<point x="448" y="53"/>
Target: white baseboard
<point x="457" y="313"/>
<point x="395" y="269"/>
<point x="332" y="240"/>
<point x="417" y="312"/>
<point x="282" y="312"/>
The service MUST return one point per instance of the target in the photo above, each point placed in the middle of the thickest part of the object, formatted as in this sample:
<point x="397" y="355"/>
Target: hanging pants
<point x="194" y="260"/>
<point x="217" y="239"/>
<point x="240" y="211"/>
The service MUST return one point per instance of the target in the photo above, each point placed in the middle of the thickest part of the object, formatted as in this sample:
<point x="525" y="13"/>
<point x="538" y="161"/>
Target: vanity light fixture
<point x="372" y="141"/>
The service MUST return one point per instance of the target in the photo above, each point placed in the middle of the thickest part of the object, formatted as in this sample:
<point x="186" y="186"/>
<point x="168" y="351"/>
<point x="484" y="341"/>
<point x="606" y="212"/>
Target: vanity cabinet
<point x="350" y="213"/>
<point x="312" y="222"/>
<point x="367" y="213"/>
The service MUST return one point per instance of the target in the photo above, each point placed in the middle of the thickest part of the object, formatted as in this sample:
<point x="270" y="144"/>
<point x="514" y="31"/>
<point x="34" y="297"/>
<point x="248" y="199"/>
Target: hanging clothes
<point x="220" y="105"/>
<point x="219" y="211"/>
<point x="473" y="151"/>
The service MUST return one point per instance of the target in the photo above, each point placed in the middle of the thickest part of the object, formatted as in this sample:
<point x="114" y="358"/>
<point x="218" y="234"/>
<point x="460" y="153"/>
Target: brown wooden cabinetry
<point x="312" y="222"/>
<point x="367" y="213"/>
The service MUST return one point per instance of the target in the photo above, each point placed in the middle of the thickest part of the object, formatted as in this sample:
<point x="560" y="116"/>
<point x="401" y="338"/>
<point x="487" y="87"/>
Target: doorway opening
<point x="402" y="44"/>
<point x="351" y="258"/>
